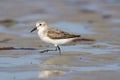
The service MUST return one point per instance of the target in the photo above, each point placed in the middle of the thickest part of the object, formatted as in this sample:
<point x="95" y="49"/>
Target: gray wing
<point x="58" y="34"/>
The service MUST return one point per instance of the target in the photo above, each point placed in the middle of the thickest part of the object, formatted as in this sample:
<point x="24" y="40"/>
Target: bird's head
<point x="39" y="25"/>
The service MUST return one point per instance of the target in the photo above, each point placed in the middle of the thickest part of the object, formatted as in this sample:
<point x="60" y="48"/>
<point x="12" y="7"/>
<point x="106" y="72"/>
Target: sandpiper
<point x="52" y="35"/>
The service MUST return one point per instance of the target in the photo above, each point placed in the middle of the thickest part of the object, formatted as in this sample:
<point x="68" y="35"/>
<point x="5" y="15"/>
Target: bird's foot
<point x="46" y="51"/>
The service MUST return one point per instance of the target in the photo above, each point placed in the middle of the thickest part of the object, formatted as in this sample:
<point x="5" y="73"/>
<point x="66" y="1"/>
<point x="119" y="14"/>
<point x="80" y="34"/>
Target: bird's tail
<point x="80" y="41"/>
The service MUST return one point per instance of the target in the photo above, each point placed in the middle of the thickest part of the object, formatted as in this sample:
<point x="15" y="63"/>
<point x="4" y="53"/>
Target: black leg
<point x="56" y="48"/>
<point x="59" y="50"/>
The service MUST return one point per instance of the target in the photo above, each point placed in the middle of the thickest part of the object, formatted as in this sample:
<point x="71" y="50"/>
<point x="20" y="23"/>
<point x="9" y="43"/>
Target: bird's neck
<point x="42" y="30"/>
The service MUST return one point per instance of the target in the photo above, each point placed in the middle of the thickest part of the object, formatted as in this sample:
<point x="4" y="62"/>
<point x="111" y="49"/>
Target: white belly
<point x="56" y="41"/>
<point x="46" y="39"/>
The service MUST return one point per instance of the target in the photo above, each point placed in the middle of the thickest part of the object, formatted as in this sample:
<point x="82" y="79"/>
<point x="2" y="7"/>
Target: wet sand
<point x="20" y="57"/>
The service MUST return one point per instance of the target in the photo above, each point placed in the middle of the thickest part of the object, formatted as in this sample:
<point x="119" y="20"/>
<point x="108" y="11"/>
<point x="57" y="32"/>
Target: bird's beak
<point x="33" y="29"/>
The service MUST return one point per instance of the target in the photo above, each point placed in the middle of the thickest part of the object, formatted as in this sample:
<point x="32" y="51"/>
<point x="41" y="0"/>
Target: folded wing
<point x="58" y="34"/>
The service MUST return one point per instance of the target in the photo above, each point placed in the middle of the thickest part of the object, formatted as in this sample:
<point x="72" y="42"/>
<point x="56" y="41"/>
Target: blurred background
<point x="94" y="19"/>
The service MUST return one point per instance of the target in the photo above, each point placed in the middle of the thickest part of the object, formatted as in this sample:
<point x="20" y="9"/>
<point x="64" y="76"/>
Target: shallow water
<point x="20" y="57"/>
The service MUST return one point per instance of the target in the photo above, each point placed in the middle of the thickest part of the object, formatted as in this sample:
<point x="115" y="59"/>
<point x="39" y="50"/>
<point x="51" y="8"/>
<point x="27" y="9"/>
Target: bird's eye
<point x="40" y="24"/>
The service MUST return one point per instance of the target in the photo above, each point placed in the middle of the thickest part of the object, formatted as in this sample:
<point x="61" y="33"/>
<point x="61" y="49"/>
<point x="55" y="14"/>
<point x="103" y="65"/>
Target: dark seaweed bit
<point x="87" y="11"/>
<point x="106" y="16"/>
<point x="12" y="48"/>
<point x="87" y="39"/>
<point x="84" y="39"/>
<point x="6" y="48"/>
<point x="25" y="49"/>
<point x="8" y="22"/>
<point x="4" y="40"/>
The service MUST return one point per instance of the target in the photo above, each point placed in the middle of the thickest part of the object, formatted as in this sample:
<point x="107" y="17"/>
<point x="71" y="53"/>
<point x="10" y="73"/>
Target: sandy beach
<point x="98" y="20"/>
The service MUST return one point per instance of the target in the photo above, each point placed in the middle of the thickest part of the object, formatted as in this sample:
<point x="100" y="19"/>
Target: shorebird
<point x="52" y="35"/>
